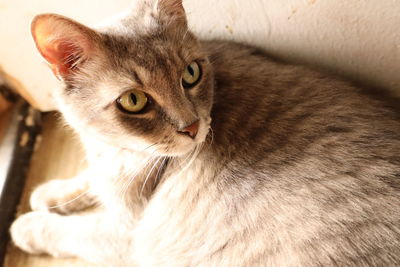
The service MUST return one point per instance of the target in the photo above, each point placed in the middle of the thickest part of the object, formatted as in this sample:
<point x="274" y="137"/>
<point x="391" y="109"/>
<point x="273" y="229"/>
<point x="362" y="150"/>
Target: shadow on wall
<point x="359" y="39"/>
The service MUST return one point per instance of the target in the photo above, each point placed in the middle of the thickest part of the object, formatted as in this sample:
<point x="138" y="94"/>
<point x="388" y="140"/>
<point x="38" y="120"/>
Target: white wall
<point x="359" y="38"/>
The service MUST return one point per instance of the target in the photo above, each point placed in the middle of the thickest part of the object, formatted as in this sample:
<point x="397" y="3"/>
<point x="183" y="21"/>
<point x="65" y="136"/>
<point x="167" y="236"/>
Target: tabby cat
<point x="212" y="153"/>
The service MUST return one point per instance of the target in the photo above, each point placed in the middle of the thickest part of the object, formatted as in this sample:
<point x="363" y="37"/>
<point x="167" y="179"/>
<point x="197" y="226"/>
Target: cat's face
<point x="143" y="84"/>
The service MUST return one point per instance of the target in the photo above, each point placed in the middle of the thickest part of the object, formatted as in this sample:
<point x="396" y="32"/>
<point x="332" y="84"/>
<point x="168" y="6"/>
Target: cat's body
<point x="300" y="169"/>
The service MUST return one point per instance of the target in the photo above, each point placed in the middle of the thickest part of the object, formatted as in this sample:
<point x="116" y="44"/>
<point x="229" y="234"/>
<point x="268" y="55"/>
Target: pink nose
<point x="191" y="130"/>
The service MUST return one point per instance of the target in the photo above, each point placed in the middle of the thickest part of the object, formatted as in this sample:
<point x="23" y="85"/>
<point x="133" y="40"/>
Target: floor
<point x="58" y="154"/>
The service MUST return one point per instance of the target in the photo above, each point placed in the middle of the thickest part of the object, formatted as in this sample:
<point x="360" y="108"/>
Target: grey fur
<point x="300" y="169"/>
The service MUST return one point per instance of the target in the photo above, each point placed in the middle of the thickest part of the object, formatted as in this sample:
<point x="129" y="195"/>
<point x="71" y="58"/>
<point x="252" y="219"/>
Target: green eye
<point x="191" y="75"/>
<point x="132" y="101"/>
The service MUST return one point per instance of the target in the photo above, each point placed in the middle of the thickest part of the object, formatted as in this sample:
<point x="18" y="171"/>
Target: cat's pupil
<point x="191" y="71"/>
<point x="134" y="99"/>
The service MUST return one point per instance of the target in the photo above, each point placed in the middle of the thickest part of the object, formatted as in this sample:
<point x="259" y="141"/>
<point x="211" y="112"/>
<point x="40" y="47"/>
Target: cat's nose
<point x="191" y="130"/>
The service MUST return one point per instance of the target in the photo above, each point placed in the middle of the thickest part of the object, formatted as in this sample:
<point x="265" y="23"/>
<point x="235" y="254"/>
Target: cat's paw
<point x="61" y="196"/>
<point x="27" y="232"/>
<point x="39" y="232"/>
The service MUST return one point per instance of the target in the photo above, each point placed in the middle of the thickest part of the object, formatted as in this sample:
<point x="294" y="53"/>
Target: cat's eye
<point x="191" y="75"/>
<point x="132" y="101"/>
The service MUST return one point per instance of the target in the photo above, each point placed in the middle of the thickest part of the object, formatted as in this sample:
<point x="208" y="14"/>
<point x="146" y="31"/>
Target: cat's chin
<point x="183" y="151"/>
<point x="184" y="148"/>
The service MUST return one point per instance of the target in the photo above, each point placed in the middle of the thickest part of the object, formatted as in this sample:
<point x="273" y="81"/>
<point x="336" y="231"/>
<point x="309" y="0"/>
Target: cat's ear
<point x="172" y="12"/>
<point x="64" y="43"/>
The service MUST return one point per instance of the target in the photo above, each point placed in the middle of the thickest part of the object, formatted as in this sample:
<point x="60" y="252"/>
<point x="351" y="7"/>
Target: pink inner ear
<point x="63" y="56"/>
<point x="61" y="43"/>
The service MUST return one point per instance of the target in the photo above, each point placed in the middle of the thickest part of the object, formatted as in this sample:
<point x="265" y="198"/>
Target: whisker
<point x="71" y="200"/>
<point x="147" y="161"/>
<point x="148" y="175"/>
<point x="162" y="166"/>
<point x="156" y="143"/>
<point x="192" y="157"/>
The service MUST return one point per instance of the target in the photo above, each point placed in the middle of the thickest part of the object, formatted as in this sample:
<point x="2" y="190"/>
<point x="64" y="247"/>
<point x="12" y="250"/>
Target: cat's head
<point x="142" y="82"/>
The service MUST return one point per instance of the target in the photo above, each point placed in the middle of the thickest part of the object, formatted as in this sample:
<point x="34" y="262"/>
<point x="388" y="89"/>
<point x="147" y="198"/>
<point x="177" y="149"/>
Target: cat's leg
<point x="93" y="237"/>
<point x="64" y="196"/>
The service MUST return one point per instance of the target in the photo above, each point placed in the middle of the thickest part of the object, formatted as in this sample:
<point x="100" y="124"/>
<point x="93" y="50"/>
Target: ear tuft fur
<point x="172" y="11"/>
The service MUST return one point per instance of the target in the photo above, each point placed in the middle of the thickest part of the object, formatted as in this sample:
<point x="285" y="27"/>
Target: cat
<point x="212" y="153"/>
